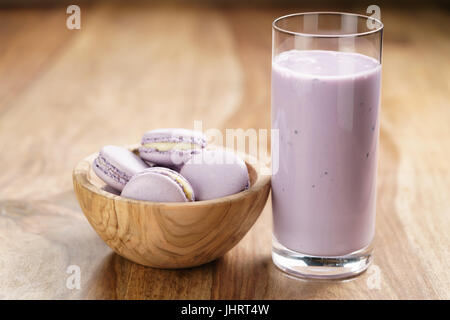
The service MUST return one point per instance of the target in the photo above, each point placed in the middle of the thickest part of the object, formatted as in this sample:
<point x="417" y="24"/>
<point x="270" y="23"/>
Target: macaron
<point x="171" y="147"/>
<point x="116" y="165"/>
<point x="216" y="173"/>
<point x="159" y="184"/>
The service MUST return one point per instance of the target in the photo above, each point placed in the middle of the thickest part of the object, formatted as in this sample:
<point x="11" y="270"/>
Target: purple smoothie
<point x="325" y="105"/>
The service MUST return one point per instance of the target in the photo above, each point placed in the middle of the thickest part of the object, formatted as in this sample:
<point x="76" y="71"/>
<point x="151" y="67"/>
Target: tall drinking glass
<point x="326" y="75"/>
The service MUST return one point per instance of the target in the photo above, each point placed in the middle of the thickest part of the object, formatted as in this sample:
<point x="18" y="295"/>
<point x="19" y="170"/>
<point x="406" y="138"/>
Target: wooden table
<point x="65" y="93"/>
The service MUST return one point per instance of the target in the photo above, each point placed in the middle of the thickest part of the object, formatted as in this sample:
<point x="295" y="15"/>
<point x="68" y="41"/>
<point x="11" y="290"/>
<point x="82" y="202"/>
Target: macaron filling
<point x="173" y="142"/>
<point x="111" y="171"/>
<point x="166" y="146"/>
<point x="179" y="179"/>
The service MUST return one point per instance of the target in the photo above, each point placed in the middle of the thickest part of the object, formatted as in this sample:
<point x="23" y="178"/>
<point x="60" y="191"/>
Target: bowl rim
<point x="82" y="168"/>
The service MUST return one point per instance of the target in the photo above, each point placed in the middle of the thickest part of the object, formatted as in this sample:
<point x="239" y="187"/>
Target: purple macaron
<point x="159" y="184"/>
<point x="116" y="165"/>
<point x="171" y="147"/>
<point x="216" y="173"/>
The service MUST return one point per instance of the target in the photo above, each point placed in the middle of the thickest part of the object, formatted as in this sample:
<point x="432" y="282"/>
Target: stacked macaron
<point x="174" y="165"/>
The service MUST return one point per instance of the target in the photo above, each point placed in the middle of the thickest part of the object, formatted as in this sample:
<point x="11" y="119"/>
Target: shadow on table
<point x="224" y="278"/>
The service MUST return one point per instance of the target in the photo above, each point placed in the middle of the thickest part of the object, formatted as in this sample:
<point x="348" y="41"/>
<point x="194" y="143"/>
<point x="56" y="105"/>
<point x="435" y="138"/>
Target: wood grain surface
<point x="132" y="67"/>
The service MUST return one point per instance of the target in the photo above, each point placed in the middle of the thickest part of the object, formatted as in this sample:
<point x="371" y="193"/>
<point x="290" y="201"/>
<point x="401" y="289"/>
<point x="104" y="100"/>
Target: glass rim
<point x="314" y="35"/>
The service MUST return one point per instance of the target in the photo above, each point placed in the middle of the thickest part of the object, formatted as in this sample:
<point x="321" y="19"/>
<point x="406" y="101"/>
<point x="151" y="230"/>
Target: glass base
<point x="314" y="267"/>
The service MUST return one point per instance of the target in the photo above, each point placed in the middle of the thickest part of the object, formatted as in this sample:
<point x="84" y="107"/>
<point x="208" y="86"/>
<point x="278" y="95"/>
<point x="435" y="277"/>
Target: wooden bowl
<point x="169" y="235"/>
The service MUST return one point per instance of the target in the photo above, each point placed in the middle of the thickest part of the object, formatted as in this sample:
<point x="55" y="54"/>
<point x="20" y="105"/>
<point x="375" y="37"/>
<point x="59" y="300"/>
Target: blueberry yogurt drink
<point x="325" y="105"/>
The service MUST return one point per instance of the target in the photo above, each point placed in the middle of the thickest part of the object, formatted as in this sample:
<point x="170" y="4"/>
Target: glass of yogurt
<point x="326" y="81"/>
